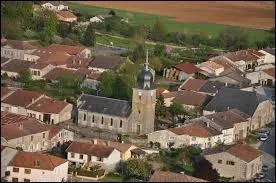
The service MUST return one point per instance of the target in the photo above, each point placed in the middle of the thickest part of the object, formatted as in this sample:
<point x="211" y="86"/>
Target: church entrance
<point x="138" y="129"/>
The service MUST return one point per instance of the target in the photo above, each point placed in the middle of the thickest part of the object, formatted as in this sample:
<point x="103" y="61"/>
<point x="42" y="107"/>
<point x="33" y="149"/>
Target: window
<point x="43" y="143"/>
<point x="93" y="119"/>
<point x="15" y="169"/>
<point x="102" y="120"/>
<point x="111" y="122"/>
<point x="81" y="156"/>
<point x="230" y="162"/>
<point x="84" y="117"/>
<point x="72" y="155"/>
<point x="43" y="135"/>
<point x="27" y="171"/>
<point x="35" y="73"/>
<point x="14" y="179"/>
<point x="219" y="161"/>
<point x="32" y="138"/>
<point x="52" y="121"/>
<point x="39" y="117"/>
<point x="100" y="159"/>
<point x="27" y="180"/>
<point x="193" y="138"/>
<point x="140" y="97"/>
<point x="38" y="73"/>
<point x="121" y="123"/>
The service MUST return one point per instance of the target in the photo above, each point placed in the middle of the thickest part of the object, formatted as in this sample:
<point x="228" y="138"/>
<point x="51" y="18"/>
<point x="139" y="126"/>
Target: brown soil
<point x="255" y="14"/>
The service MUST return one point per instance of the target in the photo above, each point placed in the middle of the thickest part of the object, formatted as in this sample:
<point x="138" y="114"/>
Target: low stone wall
<point x="90" y="178"/>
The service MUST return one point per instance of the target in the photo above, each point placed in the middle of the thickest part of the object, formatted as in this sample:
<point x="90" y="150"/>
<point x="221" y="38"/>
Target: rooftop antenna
<point x="147" y="61"/>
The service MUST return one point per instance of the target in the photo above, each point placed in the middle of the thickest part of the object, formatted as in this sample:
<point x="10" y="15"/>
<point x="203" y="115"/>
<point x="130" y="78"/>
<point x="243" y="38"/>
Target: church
<point x="117" y="115"/>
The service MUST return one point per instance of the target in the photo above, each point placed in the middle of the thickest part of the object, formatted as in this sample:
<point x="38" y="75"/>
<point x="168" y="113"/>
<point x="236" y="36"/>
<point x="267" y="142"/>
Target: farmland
<point x="209" y="25"/>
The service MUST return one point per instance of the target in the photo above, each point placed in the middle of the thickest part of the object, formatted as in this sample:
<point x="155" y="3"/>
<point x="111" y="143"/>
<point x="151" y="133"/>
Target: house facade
<point x="240" y="162"/>
<point x="269" y="55"/>
<point x="39" y="70"/>
<point x="37" y="167"/>
<point x="54" y="6"/>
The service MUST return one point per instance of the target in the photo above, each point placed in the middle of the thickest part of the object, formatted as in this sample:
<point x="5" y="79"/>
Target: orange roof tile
<point x="192" y="84"/>
<point x="162" y="176"/>
<point x="245" y="152"/>
<point x="270" y="72"/>
<point x="187" y="68"/>
<point x="193" y="129"/>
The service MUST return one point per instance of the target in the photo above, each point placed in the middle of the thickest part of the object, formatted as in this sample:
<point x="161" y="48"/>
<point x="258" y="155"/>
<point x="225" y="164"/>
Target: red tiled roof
<point x="241" y="55"/>
<point x="54" y="58"/>
<point x="57" y="73"/>
<point x="122" y="147"/>
<point x="191" y="98"/>
<point x="29" y="127"/>
<point x="17" y="66"/>
<point x="10" y="118"/>
<point x="162" y="176"/>
<point x="29" y="159"/>
<point x="270" y="72"/>
<point x="71" y="50"/>
<point x="39" y="65"/>
<point x="192" y="84"/>
<point x="48" y="105"/>
<point x="211" y="65"/>
<point x="21" y="98"/>
<point x="91" y="149"/>
<point x="159" y="91"/>
<point x="170" y="94"/>
<point x="94" y="76"/>
<point x="53" y="130"/>
<point x="5" y="91"/>
<point x="223" y="63"/>
<point x="3" y="60"/>
<point x="16" y="44"/>
<point x="187" y="68"/>
<point x="245" y="152"/>
<point x="255" y="52"/>
<point x="192" y="129"/>
<point x="66" y="14"/>
<point x="78" y="62"/>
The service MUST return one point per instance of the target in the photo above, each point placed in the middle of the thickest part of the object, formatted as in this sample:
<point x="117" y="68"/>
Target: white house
<point x="269" y="55"/>
<point x="264" y="77"/>
<point x="7" y="154"/>
<point x="97" y="19"/>
<point x="212" y="68"/>
<point x="54" y="6"/>
<point x="37" y="167"/>
<point x="80" y="153"/>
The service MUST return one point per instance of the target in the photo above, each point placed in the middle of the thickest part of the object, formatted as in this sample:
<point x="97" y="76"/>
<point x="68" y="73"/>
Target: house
<point x="191" y="100"/>
<point x="264" y="77"/>
<point x="259" y="108"/>
<point x="38" y="70"/>
<point x="162" y="176"/>
<point x="77" y="62"/>
<point x="169" y="97"/>
<point x="58" y="136"/>
<point x="54" y="6"/>
<point x="16" y="49"/>
<point x="239" y="161"/>
<point x="233" y="76"/>
<point x="66" y="16"/>
<point x="55" y="58"/>
<point x="243" y="60"/>
<point x="198" y="133"/>
<point x="232" y="118"/>
<point x="96" y="19"/>
<point x="104" y="63"/>
<point x="49" y="110"/>
<point x="269" y="55"/>
<point x="37" y="105"/>
<point x="23" y="132"/>
<point x="5" y="61"/>
<point x="203" y="86"/>
<point x="211" y="68"/>
<point x="58" y="72"/>
<point x="124" y="148"/>
<point x="80" y="153"/>
<point x="181" y="71"/>
<point x="7" y="154"/>
<point x="91" y="80"/>
<point x="71" y="50"/>
<point x="5" y="92"/>
<point x="37" y="167"/>
<point x="15" y="67"/>
<point x="268" y="92"/>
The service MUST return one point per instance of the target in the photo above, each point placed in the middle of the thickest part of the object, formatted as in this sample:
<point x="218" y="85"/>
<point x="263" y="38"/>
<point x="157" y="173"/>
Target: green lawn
<point x="112" y="178"/>
<point x="171" y="25"/>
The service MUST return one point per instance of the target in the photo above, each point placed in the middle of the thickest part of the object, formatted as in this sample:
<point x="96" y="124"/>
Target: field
<point x="191" y="17"/>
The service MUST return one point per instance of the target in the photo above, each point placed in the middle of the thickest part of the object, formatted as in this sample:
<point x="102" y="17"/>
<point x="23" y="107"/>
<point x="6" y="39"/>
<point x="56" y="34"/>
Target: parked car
<point x="263" y="137"/>
<point x="263" y="132"/>
<point x="265" y="168"/>
<point x="261" y="175"/>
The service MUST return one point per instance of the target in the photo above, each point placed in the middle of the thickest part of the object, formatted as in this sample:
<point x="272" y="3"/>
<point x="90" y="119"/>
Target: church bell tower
<point x="143" y="102"/>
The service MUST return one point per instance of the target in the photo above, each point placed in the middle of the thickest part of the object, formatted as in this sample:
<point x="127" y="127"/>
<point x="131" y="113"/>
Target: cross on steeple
<point x="147" y="61"/>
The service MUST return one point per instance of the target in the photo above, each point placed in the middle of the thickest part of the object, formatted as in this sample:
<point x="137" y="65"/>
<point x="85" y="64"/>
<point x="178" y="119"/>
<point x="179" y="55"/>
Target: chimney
<point x="36" y="163"/>
<point x="122" y="142"/>
<point x="86" y="75"/>
<point x="207" y="123"/>
<point x="226" y="84"/>
<point x="73" y="61"/>
<point x="228" y="108"/>
<point x="20" y="126"/>
<point x="95" y="141"/>
<point x="79" y="62"/>
<point x="33" y="100"/>
<point x="65" y="100"/>
<point x="216" y="91"/>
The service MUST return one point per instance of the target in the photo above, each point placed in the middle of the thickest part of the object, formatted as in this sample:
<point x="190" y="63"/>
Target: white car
<point x="263" y="138"/>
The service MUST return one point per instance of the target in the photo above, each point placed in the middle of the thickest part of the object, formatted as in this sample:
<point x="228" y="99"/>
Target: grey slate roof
<point x="103" y="105"/>
<point x="270" y="50"/>
<point x="213" y="86"/>
<point x="107" y="62"/>
<point x="244" y="101"/>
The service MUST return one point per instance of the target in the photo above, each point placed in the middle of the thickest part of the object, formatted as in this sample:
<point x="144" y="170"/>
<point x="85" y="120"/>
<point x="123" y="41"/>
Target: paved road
<point x="269" y="157"/>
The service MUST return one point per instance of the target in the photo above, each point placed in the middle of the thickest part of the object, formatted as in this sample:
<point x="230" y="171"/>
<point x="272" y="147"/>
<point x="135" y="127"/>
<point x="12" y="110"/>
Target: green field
<point x="210" y="29"/>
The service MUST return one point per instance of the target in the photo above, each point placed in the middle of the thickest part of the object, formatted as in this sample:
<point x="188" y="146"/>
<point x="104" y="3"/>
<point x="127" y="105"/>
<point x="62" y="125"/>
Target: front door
<point x="138" y="130"/>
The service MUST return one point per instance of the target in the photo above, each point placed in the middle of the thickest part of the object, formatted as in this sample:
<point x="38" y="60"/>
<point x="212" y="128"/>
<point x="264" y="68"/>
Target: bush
<point x="91" y="173"/>
<point x="56" y="39"/>
<point x="251" y="139"/>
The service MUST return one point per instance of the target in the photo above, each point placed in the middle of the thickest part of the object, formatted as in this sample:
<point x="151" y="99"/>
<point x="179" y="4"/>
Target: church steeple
<point x="145" y="77"/>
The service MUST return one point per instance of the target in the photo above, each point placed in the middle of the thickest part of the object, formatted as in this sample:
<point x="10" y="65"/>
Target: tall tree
<point x="158" y="31"/>
<point x="205" y="170"/>
<point x="139" y="53"/>
<point x="176" y="109"/>
<point x="136" y="168"/>
<point x="160" y="108"/>
<point x="106" y="85"/>
<point x="50" y="27"/>
<point x="89" y="38"/>
<point x="159" y="50"/>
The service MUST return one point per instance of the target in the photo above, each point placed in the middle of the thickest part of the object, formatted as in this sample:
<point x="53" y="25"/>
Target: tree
<point x="68" y="81"/>
<point x="205" y="170"/>
<point x="159" y="50"/>
<point x="25" y="77"/>
<point x="158" y="31"/>
<point x="139" y="53"/>
<point x="106" y="85"/>
<point x="176" y="109"/>
<point x="50" y="27"/>
<point x="156" y="64"/>
<point x="160" y="108"/>
<point x="233" y="39"/>
<point x="64" y="29"/>
<point x="112" y="12"/>
<point x="89" y="36"/>
<point x="136" y="168"/>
